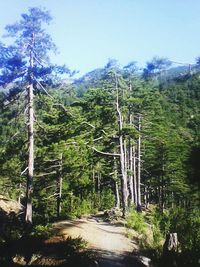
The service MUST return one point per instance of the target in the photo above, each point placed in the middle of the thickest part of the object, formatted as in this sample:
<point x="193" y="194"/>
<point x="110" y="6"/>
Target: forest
<point x="119" y="139"/>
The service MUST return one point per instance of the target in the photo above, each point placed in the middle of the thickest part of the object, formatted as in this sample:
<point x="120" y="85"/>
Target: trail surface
<point x="109" y="241"/>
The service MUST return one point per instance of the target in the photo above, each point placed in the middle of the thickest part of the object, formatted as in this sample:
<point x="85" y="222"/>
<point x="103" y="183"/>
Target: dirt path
<point x="107" y="240"/>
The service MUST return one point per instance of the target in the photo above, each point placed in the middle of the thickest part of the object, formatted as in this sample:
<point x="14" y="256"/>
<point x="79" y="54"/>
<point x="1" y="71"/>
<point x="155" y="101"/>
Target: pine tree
<point x="25" y="64"/>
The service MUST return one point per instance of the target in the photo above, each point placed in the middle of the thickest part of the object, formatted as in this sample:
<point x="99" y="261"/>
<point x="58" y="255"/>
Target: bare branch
<point x="44" y="88"/>
<point x="104" y="153"/>
<point x="72" y="143"/>
<point x="24" y="171"/>
<point x="89" y="124"/>
<point x="63" y="107"/>
<point x="54" y="166"/>
<point x="51" y="196"/>
<point x="45" y="174"/>
<point x="51" y="160"/>
<point x="97" y="139"/>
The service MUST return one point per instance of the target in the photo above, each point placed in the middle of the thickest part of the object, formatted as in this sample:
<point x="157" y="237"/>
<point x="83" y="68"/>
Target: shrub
<point x="107" y="199"/>
<point x="184" y="222"/>
<point x="42" y="231"/>
<point x="136" y="221"/>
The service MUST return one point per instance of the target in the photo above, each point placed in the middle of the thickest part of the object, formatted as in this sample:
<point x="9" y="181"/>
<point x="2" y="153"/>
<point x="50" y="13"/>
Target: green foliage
<point x="72" y="127"/>
<point x="42" y="231"/>
<point x="184" y="222"/>
<point x="187" y="225"/>
<point x="74" y="206"/>
<point x="135" y="220"/>
<point x="107" y="199"/>
<point x="160" y="220"/>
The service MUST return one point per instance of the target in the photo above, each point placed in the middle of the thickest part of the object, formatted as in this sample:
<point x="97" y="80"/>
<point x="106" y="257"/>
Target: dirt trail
<point x="107" y="240"/>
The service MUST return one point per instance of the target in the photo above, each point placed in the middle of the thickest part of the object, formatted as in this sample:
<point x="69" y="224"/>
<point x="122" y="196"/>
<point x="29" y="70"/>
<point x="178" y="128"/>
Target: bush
<point x="42" y="231"/>
<point x="184" y="222"/>
<point x="187" y="225"/>
<point x="74" y="206"/>
<point x="136" y="221"/>
<point x="107" y="199"/>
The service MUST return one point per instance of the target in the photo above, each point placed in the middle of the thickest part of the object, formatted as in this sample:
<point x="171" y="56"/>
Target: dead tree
<point x="124" y="187"/>
<point x="29" y="188"/>
<point x="139" y="204"/>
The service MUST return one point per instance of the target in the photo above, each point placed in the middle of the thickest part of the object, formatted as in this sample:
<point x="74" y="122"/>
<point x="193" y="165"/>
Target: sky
<point x="89" y="32"/>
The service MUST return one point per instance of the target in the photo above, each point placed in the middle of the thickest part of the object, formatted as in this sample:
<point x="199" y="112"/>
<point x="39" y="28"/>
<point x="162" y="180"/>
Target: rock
<point x="9" y="206"/>
<point x="146" y="261"/>
<point x="113" y="214"/>
<point x="21" y="260"/>
<point x="138" y="260"/>
<point x="18" y="259"/>
<point x="94" y="264"/>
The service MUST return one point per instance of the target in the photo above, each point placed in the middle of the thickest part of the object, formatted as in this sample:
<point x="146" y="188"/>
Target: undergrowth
<point x="154" y="225"/>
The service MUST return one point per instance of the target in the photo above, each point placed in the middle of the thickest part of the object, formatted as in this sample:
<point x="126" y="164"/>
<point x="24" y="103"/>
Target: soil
<point x="107" y="246"/>
<point x="109" y="242"/>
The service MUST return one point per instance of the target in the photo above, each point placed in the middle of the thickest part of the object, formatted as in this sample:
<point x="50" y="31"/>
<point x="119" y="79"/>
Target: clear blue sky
<point x="88" y="32"/>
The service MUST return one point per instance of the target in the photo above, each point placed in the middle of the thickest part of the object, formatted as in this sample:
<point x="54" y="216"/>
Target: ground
<point x="92" y="241"/>
<point x="108" y="241"/>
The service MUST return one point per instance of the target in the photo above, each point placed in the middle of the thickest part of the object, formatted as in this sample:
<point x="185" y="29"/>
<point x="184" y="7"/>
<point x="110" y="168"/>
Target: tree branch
<point x="104" y="153"/>
<point x="63" y="107"/>
<point x="24" y="171"/>
<point x="45" y="174"/>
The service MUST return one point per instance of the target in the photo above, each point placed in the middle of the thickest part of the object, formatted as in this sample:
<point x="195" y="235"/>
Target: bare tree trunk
<point x="59" y="188"/>
<point x="135" y="177"/>
<point x="99" y="183"/>
<point x="162" y="195"/>
<point x="93" y="181"/>
<point x="139" y="167"/>
<point x="132" y="199"/>
<point x="29" y="189"/>
<point x="130" y="177"/>
<point x="146" y="197"/>
<point x="126" y="169"/>
<point x="117" y="199"/>
<point x="124" y="187"/>
<point x="30" y="156"/>
<point x="172" y="196"/>
<point x="19" y="197"/>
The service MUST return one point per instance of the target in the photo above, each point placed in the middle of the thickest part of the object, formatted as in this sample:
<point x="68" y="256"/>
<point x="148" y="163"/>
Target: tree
<point x="25" y="63"/>
<point x="156" y="67"/>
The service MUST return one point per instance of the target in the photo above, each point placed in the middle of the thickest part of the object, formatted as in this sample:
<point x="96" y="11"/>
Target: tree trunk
<point x="93" y="181"/>
<point x="146" y="198"/>
<point x="29" y="188"/>
<point x="139" y="167"/>
<point x="59" y="188"/>
<point x="19" y="197"/>
<point x="132" y="199"/>
<point x="124" y="187"/>
<point x="135" y="177"/>
<point x="99" y="184"/>
<point x="130" y="177"/>
<point x="30" y="156"/>
<point x="170" y="249"/>
<point x="117" y="199"/>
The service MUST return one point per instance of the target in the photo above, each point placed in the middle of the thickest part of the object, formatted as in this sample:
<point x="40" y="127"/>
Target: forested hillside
<point x="118" y="137"/>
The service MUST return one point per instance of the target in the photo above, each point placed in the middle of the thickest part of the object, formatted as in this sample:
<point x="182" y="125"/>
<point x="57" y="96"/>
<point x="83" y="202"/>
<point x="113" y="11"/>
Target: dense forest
<point x="121" y="137"/>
